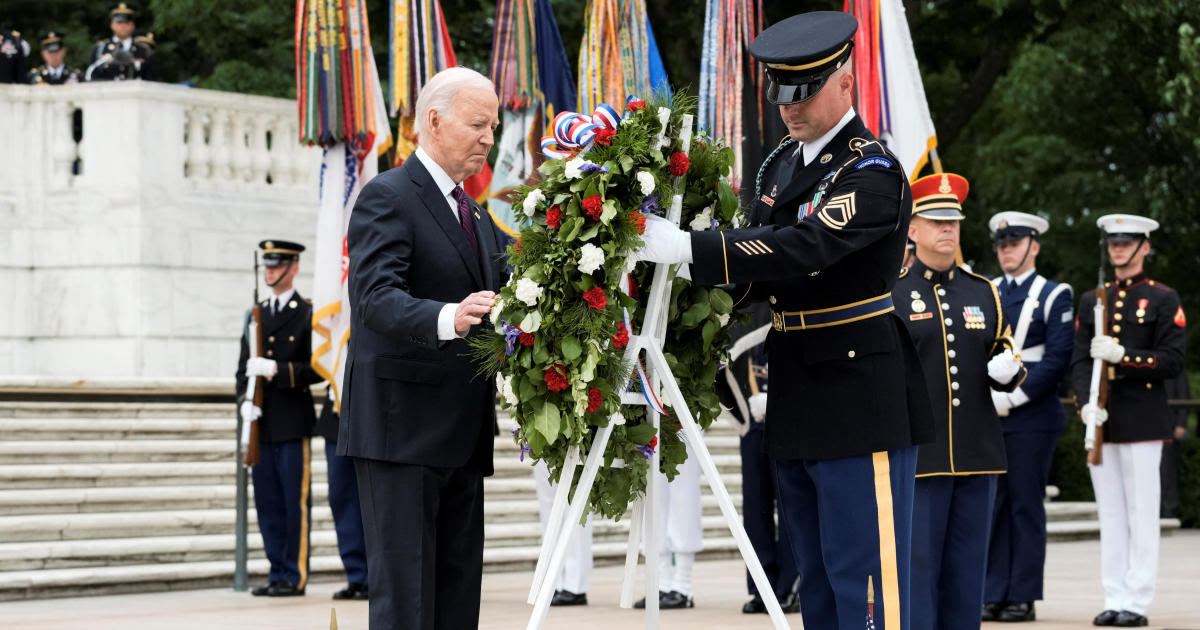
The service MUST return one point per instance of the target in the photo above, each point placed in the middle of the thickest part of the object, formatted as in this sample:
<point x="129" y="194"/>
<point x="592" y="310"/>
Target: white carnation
<point x="737" y="220"/>
<point x="497" y="309"/>
<point x="571" y="171"/>
<point x="723" y="319"/>
<point x="590" y="258"/>
<point x="532" y="200"/>
<point x="504" y="386"/>
<point x="528" y="291"/>
<point x="703" y="221"/>
<point x="647" y="181"/>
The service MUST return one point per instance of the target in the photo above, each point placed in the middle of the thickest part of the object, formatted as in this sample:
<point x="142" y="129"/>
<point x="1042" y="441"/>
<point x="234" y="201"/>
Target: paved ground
<point x="1072" y="598"/>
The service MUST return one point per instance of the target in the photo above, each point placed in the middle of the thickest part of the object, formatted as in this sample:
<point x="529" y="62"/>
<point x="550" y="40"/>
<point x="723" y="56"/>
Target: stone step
<point x="21" y="429"/>
<point x="124" y="410"/>
<point x="126" y="474"/>
<point x="100" y="451"/>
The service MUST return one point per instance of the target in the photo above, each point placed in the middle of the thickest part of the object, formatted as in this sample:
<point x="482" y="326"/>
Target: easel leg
<point x="555" y="525"/>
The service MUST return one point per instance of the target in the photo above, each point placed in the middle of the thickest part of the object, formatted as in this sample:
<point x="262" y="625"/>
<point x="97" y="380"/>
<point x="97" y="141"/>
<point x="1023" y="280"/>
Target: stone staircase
<point x="110" y="497"/>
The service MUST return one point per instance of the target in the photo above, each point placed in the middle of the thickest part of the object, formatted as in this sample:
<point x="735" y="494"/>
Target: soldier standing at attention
<point x="1032" y="417"/>
<point x="965" y="344"/>
<point x="848" y="403"/>
<point x="121" y="57"/>
<point x="282" y="479"/>
<point x="13" y="51"/>
<point x="344" y="503"/>
<point x="1144" y="348"/>
<point x="54" y="71"/>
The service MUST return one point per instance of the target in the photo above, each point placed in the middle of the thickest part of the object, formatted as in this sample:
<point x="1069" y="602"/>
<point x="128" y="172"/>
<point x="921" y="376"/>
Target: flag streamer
<point x="729" y="27"/>
<point x="332" y="79"/>
<point x="616" y="55"/>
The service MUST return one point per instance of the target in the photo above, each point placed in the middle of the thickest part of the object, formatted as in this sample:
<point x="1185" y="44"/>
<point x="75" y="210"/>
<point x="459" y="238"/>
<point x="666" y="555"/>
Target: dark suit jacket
<point x="287" y="402"/>
<point x="408" y="397"/>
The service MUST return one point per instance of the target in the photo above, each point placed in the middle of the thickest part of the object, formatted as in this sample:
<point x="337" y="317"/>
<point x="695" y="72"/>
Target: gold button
<point x="291" y="338"/>
<point x="850" y="354"/>
<point x="1120" y="293"/>
<point x="270" y="352"/>
<point x="1116" y="328"/>
<point x="771" y="299"/>
<point x="1116" y="340"/>
<point x="1117" y="317"/>
<point x="1126" y="358"/>
<point x="1120" y="304"/>
<point x="1149" y="386"/>
<point x="1137" y="359"/>
<point x="271" y="339"/>
<point x="1150" y="360"/>
<point x="1151" y="283"/>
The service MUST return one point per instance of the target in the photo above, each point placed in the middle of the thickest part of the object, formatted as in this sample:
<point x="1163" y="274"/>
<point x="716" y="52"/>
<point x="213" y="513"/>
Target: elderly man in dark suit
<point x="417" y="416"/>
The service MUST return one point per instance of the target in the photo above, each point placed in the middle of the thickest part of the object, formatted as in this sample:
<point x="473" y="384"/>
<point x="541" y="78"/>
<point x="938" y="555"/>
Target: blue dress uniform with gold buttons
<point x="282" y="478"/>
<point x="847" y="403"/>
<point x="1032" y="417"/>
<point x="1147" y="325"/>
<point x="959" y="325"/>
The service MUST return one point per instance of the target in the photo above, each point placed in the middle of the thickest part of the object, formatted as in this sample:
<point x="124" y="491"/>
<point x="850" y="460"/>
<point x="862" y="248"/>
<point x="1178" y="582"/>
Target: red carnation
<point x="594" y="399"/>
<point x="679" y="163"/>
<point x="605" y="136"/>
<point x="595" y="298"/>
<point x="593" y="206"/>
<point x="638" y="220"/>
<point x="556" y="377"/>
<point x="525" y="338"/>
<point x="653" y="441"/>
<point x="517" y="245"/>
<point x="554" y="217"/>
<point x="636" y="105"/>
<point x="621" y="338"/>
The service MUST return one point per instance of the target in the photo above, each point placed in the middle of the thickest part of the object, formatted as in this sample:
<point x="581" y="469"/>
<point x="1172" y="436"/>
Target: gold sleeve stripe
<point x="745" y="250"/>
<point x="725" y="257"/>
<point x="764" y="246"/>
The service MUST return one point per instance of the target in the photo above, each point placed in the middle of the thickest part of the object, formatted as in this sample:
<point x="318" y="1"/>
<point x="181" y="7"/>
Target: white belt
<point x="1033" y="354"/>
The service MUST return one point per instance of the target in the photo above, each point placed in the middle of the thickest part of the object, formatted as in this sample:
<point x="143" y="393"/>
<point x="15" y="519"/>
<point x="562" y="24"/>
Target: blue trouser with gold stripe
<point x="952" y="516"/>
<point x="1017" y="552"/>
<point x="283" y="500"/>
<point x="347" y="514"/>
<point x="850" y="521"/>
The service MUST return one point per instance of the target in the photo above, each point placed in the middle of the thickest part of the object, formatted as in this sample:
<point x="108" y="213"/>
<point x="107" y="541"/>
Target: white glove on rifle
<point x="1107" y="349"/>
<point x="664" y="242"/>
<point x="1093" y="414"/>
<point x="250" y="412"/>
<point x="1003" y="367"/>
<point x="258" y="366"/>
<point x="758" y="406"/>
<point x="1001" y="401"/>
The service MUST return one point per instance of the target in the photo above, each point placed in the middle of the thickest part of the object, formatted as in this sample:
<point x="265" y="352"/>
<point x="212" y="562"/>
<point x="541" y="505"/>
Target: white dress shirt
<point x="445" y="323"/>
<point x="278" y="302"/>
<point x="814" y="148"/>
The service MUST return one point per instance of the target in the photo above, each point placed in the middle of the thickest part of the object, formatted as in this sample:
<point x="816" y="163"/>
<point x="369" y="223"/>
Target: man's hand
<point x="1093" y="414"/>
<point x="1107" y="349"/>
<point x="258" y="366"/>
<point x="471" y="310"/>
<point x="1001" y="401"/>
<point x="1003" y="367"/>
<point x="664" y="242"/>
<point x="250" y="412"/>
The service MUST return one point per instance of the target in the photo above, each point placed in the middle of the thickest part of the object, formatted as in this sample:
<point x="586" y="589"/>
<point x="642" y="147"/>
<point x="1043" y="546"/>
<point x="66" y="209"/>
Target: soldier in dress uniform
<point x="13" y="51"/>
<point x="848" y="403"/>
<point x="965" y="344"/>
<point x="121" y="57"/>
<point x="1144" y="348"/>
<point x="1031" y="415"/>
<point x="343" y="502"/>
<point x="54" y="71"/>
<point x="742" y="386"/>
<point x="282" y="488"/>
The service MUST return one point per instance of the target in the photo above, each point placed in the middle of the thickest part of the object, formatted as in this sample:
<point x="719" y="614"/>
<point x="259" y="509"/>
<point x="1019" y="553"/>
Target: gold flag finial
<point x="332" y="619"/>
<point x="870" y="589"/>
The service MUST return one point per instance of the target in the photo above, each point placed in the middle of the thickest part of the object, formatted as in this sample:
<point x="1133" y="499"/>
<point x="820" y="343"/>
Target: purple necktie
<point x="465" y="218"/>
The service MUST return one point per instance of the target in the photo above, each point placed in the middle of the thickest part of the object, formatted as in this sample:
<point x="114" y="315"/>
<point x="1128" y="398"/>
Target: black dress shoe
<point x="990" y="610"/>
<point x="675" y="599"/>
<point x="353" y="591"/>
<point x="280" y="589"/>
<point x="265" y="589"/>
<point x="641" y="603"/>
<point x="1017" y="611"/>
<point x="1129" y="619"/>
<point x="1106" y="618"/>
<point x="790" y="603"/>
<point x="755" y="605"/>
<point x="567" y="598"/>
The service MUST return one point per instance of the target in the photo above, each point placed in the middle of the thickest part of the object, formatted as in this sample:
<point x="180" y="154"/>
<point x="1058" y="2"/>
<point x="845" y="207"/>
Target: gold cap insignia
<point x="945" y="187"/>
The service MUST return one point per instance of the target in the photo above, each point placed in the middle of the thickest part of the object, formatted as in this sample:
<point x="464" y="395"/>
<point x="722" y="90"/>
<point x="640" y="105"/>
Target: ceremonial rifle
<point x="1093" y="437"/>
<point x="254" y="387"/>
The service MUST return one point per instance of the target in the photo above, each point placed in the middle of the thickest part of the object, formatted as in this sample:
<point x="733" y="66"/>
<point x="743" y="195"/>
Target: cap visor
<point x="942" y="215"/>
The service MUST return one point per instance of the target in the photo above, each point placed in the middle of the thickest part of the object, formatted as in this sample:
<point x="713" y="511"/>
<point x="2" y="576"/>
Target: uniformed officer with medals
<point x="1032" y="416"/>
<point x="55" y="70"/>
<point x="965" y="344"/>
<point x="848" y="404"/>
<point x="282" y="487"/>
<point x="1144" y="348"/>
<point x="121" y="57"/>
<point x="13" y="51"/>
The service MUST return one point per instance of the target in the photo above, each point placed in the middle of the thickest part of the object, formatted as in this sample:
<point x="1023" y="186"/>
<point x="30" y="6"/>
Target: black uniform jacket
<point x="408" y="397"/>
<point x="12" y="57"/>
<point x="957" y="321"/>
<point x="1146" y="317"/>
<point x="287" y="401"/>
<point x="140" y="53"/>
<point x="853" y="388"/>
<point x="41" y="75"/>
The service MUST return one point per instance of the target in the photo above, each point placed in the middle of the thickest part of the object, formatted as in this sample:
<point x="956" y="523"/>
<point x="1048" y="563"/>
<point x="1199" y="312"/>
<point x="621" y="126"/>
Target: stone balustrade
<point x="128" y="214"/>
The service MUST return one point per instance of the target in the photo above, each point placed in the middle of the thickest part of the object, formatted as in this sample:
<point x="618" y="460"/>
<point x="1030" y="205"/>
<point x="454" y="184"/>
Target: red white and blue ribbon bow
<point x="573" y="132"/>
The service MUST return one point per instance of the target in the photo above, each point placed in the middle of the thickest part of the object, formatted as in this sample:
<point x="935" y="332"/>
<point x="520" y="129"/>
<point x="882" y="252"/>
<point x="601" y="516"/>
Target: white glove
<point x="758" y="406"/>
<point x="1002" y="402"/>
<point x="664" y="242"/>
<point x="1093" y="413"/>
<point x="250" y="411"/>
<point x="1106" y="348"/>
<point x="1003" y="367"/>
<point x="258" y="366"/>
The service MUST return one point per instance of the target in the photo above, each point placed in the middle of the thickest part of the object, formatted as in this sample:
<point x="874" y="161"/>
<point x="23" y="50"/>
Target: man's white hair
<point x="439" y="92"/>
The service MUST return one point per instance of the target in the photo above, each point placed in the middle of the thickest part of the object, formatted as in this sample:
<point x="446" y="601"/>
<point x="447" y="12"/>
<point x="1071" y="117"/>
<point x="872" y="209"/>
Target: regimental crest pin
<point x="825" y="158"/>
<point x="918" y="305"/>
<point x="774" y="189"/>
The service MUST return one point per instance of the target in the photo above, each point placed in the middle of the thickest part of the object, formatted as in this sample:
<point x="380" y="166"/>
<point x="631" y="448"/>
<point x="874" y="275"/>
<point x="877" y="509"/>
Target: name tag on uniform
<point x="767" y="200"/>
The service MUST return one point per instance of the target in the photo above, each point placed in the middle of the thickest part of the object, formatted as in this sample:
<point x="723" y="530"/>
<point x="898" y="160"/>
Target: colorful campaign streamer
<point x="729" y="27"/>
<point x="616" y="55"/>
<point x="420" y="48"/>
<point x="333" y="83"/>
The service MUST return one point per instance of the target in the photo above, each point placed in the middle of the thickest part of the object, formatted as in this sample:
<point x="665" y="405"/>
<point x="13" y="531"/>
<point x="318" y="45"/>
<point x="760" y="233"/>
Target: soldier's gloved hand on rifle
<point x="1107" y="349"/>
<point x="250" y="412"/>
<point x="1093" y="414"/>
<point x="758" y="406"/>
<point x="664" y="242"/>
<point x="258" y="366"/>
<point x="1003" y="367"/>
<point x="1002" y="401"/>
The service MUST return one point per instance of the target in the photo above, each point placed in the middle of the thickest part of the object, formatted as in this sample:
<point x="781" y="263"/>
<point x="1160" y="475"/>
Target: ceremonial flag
<point x="891" y="96"/>
<point x="729" y="27"/>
